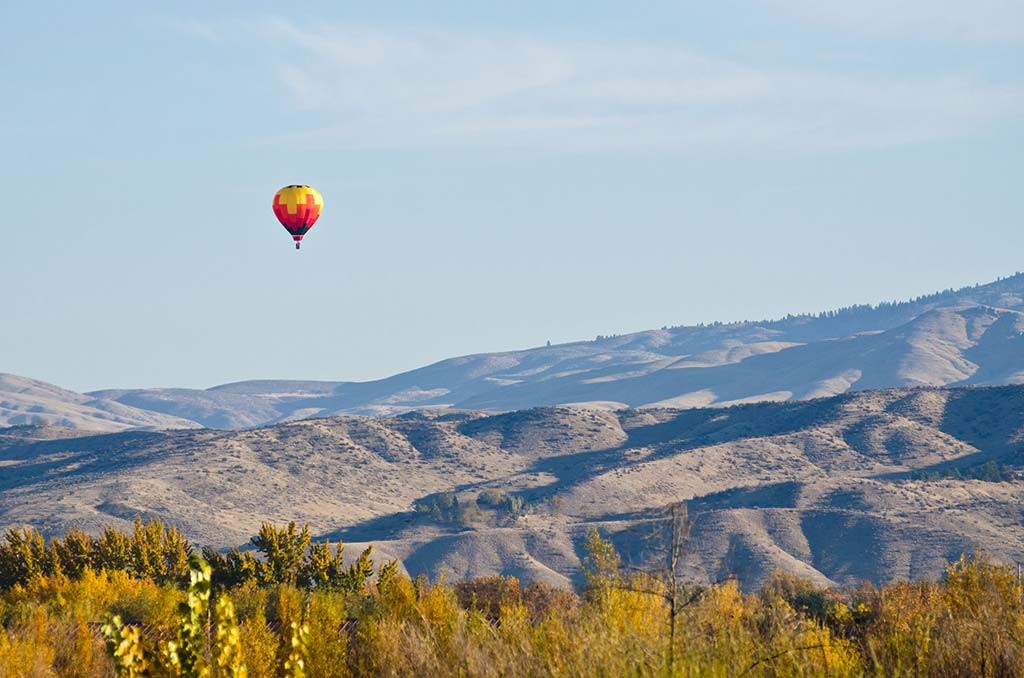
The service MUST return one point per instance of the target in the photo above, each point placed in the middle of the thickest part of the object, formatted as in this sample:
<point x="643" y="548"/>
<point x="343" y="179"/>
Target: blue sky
<point x="495" y="175"/>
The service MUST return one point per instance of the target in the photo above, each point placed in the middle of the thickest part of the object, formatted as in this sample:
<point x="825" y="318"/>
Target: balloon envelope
<point x="298" y="207"/>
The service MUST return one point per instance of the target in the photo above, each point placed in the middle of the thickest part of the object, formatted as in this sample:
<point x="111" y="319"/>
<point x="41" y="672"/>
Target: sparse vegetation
<point x="990" y="471"/>
<point x="909" y="307"/>
<point x="302" y="613"/>
<point x="507" y="508"/>
<point x="491" y="507"/>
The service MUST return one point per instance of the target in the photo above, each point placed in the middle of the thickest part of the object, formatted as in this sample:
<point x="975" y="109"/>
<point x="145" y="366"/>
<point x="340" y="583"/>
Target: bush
<point x="971" y="623"/>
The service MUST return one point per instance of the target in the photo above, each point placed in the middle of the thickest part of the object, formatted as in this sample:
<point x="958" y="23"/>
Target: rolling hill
<point x="879" y="485"/>
<point x="28" y="401"/>
<point x="972" y="336"/>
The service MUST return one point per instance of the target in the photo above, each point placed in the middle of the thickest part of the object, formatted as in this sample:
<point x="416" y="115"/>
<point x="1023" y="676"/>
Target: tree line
<point x="161" y="553"/>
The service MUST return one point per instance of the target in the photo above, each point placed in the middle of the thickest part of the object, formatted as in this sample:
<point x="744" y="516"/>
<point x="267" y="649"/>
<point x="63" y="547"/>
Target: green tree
<point x="284" y="551"/>
<point x="358" y="573"/>
<point x="73" y="553"/>
<point x="112" y="550"/>
<point x="158" y="552"/>
<point x="22" y="556"/>
<point x="322" y="569"/>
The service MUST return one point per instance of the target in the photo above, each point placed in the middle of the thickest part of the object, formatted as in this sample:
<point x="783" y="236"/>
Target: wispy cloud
<point x="413" y="88"/>
<point x="977" y="21"/>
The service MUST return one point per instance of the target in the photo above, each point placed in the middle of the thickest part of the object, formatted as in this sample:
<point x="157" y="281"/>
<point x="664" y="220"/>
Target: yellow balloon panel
<point x="290" y="197"/>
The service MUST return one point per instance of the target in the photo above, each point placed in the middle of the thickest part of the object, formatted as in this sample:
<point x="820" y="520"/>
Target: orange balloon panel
<point x="298" y="208"/>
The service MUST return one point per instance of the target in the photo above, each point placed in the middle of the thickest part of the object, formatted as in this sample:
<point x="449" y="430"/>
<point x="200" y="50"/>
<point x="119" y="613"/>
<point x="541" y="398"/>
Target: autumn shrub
<point x="259" y="645"/>
<point x="801" y="593"/>
<point x="78" y="651"/>
<point x="329" y="629"/>
<point x="26" y="648"/>
<point x="544" y="600"/>
<point x="488" y="594"/>
<point x="970" y="624"/>
<point x="250" y="601"/>
<point x="331" y="619"/>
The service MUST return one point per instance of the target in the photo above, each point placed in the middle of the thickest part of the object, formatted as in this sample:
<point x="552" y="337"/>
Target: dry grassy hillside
<point x="970" y="336"/>
<point x="873" y="485"/>
<point x="26" y="402"/>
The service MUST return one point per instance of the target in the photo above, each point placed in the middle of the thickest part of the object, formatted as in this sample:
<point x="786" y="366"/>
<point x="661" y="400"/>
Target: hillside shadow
<point x="990" y="419"/>
<point x="686" y="430"/>
<point x="771" y="496"/>
<point x="88" y="455"/>
<point x="381" y="528"/>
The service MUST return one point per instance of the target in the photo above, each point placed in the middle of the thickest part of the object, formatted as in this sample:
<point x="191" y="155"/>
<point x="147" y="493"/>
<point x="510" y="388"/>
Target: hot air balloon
<point x="297" y="208"/>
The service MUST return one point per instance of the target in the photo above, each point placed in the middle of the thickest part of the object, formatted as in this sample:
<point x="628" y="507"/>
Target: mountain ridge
<point x="939" y="344"/>
<point x="973" y="335"/>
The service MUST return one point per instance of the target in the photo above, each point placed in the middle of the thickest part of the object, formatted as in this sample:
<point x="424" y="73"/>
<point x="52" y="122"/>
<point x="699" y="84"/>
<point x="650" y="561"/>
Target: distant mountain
<point x="878" y="485"/>
<point x="972" y="336"/>
<point x="27" y="401"/>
